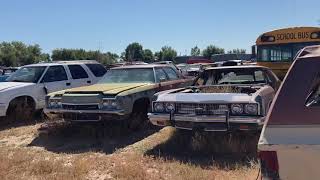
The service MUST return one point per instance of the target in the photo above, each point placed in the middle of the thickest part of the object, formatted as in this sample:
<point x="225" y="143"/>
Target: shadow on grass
<point x="209" y="149"/>
<point x="7" y="124"/>
<point x="79" y="138"/>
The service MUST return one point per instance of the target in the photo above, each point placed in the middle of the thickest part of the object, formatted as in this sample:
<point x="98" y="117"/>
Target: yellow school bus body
<point x="273" y="41"/>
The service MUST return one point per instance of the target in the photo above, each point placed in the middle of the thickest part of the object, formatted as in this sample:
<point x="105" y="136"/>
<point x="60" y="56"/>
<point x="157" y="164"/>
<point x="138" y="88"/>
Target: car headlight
<point x="251" y="109"/>
<point x="158" y="107"/>
<point x="109" y="104"/>
<point x="169" y="107"/>
<point x="55" y="103"/>
<point x="236" y="108"/>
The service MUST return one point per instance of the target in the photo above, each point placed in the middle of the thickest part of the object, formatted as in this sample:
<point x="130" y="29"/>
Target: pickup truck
<point x="289" y="145"/>
<point x="24" y="91"/>
<point x="124" y="94"/>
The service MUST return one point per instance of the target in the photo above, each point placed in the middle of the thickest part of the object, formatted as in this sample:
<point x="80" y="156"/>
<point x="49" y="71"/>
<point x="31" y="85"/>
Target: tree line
<point x="17" y="53"/>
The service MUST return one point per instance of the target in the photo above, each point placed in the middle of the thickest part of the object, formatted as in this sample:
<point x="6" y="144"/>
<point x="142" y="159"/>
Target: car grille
<point x="201" y="109"/>
<point x="80" y="107"/>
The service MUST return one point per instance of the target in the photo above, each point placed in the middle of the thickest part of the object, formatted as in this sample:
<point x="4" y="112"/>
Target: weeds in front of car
<point x="219" y="89"/>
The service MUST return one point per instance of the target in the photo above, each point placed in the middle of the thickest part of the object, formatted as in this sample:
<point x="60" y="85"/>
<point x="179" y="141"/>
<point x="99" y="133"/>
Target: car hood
<point x="108" y="88"/>
<point x="10" y="85"/>
<point x="206" y="97"/>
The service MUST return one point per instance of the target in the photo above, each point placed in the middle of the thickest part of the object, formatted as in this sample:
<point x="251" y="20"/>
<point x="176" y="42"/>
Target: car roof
<point x="162" y="62"/>
<point x="236" y="67"/>
<point x="309" y="51"/>
<point x="141" y="66"/>
<point x="54" y="63"/>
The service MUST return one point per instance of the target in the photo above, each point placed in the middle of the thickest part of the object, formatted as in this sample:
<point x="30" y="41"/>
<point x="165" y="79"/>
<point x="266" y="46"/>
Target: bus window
<point x="264" y="54"/>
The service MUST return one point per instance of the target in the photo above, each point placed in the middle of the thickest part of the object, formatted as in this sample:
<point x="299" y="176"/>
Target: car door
<point x="55" y="79"/>
<point x="161" y="78"/>
<point x="79" y="76"/>
<point x="175" y="81"/>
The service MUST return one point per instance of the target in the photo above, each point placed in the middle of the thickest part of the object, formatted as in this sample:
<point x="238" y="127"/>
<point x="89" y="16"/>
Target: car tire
<point x="21" y="109"/>
<point x="138" y="118"/>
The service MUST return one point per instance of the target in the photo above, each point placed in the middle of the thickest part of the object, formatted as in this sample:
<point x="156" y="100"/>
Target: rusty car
<point x="289" y="142"/>
<point x="123" y="94"/>
<point x="226" y="98"/>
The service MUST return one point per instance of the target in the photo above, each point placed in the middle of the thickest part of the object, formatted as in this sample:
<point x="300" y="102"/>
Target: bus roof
<point x="290" y="35"/>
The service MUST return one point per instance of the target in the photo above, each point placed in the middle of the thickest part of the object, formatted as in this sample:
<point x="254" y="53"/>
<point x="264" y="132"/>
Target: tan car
<point x="124" y="94"/>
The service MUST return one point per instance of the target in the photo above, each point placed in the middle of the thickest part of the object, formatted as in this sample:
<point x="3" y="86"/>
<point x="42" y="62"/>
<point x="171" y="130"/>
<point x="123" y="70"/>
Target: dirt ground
<point x="88" y="152"/>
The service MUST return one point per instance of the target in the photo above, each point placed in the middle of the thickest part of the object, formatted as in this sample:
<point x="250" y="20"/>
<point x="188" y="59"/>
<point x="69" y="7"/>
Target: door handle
<point x="88" y="82"/>
<point x="68" y="84"/>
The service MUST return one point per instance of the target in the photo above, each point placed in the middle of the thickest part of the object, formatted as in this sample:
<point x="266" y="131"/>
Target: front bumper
<point x="84" y="115"/>
<point x="207" y="122"/>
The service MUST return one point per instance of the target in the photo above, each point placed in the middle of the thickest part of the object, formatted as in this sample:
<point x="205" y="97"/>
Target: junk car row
<point x="220" y="98"/>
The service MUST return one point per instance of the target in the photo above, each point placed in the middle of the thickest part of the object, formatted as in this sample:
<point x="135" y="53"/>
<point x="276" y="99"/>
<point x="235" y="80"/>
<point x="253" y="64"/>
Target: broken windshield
<point x="232" y="76"/>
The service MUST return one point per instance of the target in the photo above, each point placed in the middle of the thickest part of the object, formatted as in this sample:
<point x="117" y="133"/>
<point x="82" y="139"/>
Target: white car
<point x="26" y="89"/>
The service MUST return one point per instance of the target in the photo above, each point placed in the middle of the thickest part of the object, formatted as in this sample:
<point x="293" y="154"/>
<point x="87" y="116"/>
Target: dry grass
<point x="220" y="89"/>
<point x="151" y="157"/>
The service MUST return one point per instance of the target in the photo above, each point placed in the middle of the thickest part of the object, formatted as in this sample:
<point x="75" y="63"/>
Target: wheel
<point x="21" y="109"/>
<point x="138" y="118"/>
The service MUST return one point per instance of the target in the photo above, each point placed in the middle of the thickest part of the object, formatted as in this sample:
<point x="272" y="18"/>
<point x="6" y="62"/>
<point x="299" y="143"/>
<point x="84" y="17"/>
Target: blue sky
<point x="110" y="25"/>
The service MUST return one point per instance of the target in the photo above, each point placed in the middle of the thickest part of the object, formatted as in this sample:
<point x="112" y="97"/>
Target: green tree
<point x="157" y="56"/>
<point x="167" y="53"/>
<point x="134" y="52"/>
<point x="195" y="51"/>
<point x="81" y="54"/>
<point x="237" y="51"/>
<point x="123" y="56"/>
<point x="45" y="57"/>
<point x="109" y="58"/>
<point x="16" y="53"/>
<point x="211" y="50"/>
<point x="147" y="55"/>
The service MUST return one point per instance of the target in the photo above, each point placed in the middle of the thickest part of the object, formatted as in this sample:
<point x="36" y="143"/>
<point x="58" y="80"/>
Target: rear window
<point x="77" y="72"/>
<point x="97" y="69"/>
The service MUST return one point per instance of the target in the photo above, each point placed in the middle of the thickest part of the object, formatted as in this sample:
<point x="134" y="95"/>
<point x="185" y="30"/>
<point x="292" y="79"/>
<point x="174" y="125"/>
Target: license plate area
<point x="81" y="117"/>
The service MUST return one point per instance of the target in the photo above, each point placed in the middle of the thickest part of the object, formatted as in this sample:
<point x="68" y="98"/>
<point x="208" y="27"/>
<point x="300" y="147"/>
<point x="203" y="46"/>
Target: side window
<point x="160" y="75"/>
<point x="77" y="72"/>
<point x="171" y="73"/>
<point x="55" y="73"/>
<point x="259" y="76"/>
<point x="97" y="69"/>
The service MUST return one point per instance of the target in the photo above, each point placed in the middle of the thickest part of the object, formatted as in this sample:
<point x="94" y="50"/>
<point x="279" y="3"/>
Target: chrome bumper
<point x="59" y="114"/>
<point x="192" y="121"/>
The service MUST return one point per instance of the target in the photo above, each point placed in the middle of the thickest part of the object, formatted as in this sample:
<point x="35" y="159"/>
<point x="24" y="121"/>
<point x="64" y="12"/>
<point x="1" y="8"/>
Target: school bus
<point x="276" y="49"/>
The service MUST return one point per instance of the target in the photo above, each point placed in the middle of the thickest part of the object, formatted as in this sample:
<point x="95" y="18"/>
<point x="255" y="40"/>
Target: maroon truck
<point x="289" y="145"/>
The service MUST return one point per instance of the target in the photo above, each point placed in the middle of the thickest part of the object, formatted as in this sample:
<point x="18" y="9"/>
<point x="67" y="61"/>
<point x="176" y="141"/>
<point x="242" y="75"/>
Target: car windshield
<point x="129" y="75"/>
<point x="27" y="74"/>
<point x="232" y="76"/>
<point x="194" y="66"/>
